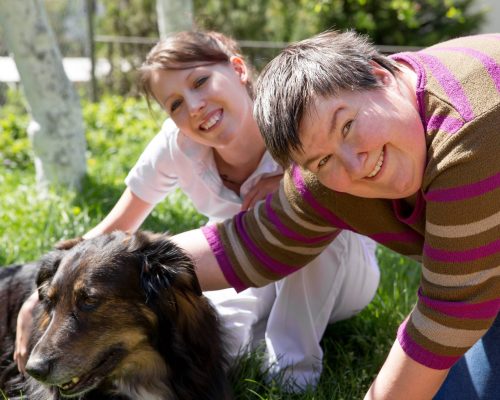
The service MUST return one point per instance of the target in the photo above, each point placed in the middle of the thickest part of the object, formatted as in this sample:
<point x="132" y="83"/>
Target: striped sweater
<point x="453" y="229"/>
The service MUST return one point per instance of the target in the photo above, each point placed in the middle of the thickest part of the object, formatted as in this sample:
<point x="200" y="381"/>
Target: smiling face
<point x="367" y="143"/>
<point x="208" y="102"/>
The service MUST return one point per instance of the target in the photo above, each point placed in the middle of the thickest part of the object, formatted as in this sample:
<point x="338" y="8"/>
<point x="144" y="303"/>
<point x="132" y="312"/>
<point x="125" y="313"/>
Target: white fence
<point x="77" y="69"/>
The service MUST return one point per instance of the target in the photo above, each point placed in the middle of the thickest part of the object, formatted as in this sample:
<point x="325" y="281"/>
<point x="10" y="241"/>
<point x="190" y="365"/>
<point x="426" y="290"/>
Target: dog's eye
<point x="47" y="303"/>
<point x="88" y="303"/>
<point x="46" y="297"/>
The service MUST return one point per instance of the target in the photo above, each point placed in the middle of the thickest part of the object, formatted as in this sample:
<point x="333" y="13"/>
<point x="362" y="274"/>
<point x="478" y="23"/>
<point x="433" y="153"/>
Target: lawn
<point x="117" y="131"/>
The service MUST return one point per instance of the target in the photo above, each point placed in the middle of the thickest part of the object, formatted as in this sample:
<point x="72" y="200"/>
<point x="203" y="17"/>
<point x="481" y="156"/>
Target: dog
<point x="121" y="316"/>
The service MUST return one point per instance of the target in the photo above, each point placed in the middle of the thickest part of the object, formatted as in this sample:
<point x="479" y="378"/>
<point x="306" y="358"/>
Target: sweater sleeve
<point x="274" y="239"/>
<point x="459" y="296"/>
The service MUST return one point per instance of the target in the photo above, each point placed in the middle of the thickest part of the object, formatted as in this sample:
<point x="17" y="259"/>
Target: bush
<point x="15" y="147"/>
<point x="402" y="22"/>
<point x="387" y="22"/>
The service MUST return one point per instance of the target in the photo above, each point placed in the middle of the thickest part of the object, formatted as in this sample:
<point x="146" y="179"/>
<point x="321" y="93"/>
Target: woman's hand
<point x="403" y="378"/>
<point x="127" y="215"/>
<point x="259" y="192"/>
<point x="23" y="331"/>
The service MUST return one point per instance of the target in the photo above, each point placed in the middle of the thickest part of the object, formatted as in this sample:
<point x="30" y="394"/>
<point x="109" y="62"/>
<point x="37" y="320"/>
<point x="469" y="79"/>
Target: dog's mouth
<point x="79" y="385"/>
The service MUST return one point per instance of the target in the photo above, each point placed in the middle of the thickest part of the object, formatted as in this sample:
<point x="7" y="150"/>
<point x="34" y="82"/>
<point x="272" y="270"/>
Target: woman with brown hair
<point x="212" y="149"/>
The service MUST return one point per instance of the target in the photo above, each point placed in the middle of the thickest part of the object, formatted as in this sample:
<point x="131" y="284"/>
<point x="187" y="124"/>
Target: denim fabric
<point x="476" y="376"/>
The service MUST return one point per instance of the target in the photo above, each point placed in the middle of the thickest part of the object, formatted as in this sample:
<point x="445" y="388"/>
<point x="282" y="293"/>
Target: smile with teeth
<point x="211" y="121"/>
<point x="70" y="384"/>
<point x="375" y="170"/>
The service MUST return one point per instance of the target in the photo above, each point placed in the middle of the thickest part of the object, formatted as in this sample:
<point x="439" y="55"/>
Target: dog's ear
<point x="187" y="329"/>
<point x="68" y="243"/>
<point x="164" y="265"/>
<point x="48" y="265"/>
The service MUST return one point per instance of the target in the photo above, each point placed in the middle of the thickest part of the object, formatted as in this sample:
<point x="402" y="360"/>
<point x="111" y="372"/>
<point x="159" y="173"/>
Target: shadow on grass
<point x="97" y="197"/>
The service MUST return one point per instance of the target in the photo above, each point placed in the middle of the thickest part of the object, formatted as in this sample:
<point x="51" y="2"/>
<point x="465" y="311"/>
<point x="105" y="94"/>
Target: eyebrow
<point x="332" y="128"/>
<point x="185" y="79"/>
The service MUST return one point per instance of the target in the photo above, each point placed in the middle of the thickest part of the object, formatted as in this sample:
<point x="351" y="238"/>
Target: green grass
<point x="117" y="131"/>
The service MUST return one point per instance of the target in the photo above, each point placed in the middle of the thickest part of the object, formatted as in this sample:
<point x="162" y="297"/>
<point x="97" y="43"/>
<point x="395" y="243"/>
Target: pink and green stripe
<point x="421" y="354"/>
<point x="213" y="239"/>
<point x="464" y="192"/>
<point x="451" y="86"/>
<point x="271" y="264"/>
<point x="484" y="310"/>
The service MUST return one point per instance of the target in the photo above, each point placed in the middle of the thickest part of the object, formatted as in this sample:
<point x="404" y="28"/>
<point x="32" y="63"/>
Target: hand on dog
<point x="259" y="192"/>
<point x="25" y="316"/>
<point x="23" y="330"/>
<point x="67" y="244"/>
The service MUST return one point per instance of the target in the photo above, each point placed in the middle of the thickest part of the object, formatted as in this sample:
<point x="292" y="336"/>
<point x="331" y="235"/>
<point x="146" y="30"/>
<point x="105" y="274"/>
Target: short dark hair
<point x="322" y="65"/>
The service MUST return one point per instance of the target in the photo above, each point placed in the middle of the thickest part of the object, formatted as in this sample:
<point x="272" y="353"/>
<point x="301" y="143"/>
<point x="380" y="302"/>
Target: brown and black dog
<point x="120" y="317"/>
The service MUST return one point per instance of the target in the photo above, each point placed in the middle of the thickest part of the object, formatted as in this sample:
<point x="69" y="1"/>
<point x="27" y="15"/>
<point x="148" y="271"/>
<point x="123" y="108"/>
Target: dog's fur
<point x="122" y="313"/>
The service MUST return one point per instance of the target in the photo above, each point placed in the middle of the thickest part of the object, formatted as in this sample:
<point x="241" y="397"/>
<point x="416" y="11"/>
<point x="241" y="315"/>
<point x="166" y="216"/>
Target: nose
<point x="39" y="368"/>
<point x="195" y="105"/>
<point x="354" y="162"/>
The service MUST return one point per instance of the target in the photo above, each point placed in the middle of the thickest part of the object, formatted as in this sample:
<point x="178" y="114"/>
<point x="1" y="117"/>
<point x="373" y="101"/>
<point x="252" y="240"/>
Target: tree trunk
<point x="174" y="16"/>
<point x="56" y="129"/>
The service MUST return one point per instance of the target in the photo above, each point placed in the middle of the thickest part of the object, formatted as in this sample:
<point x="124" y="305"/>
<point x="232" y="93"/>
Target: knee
<point x="359" y="288"/>
<point x="370" y="286"/>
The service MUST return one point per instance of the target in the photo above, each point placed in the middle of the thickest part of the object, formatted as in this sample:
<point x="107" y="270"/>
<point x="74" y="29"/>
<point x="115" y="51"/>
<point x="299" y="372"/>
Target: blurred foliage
<point x="387" y="22"/>
<point x="15" y="147"/>
<point x="68" y="21"/>
<point x="118" y="128"/>
<point x="401" y="22"/>
<point x="270" y="20"/>
<point x="125" y="18"/>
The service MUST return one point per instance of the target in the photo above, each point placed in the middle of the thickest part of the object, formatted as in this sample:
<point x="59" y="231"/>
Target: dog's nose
<point x="38" y="368"/>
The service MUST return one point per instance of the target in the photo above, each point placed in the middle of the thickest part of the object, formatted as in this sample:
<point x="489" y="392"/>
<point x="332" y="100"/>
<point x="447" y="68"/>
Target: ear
<point x="47" y="267"/>
<point x="165" y="266"/>
<point x="240" y="68"/>
<point x="381" y="74"/>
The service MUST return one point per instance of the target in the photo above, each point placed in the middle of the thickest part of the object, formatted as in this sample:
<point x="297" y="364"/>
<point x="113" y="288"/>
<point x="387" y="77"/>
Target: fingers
<point x="21" y="354"/>
<point x="260" y="191"/>
<point x="253" y="198"/>
<point x="248" y="201"/>
<point x="68" y="243"/>
<point x="21" y="349"/>
<point x="23" y="329"/>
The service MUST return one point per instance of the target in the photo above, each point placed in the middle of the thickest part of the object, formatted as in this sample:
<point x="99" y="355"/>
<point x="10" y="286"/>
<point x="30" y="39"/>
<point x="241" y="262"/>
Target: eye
<point x="323" y="161"/>
<point x="87" y="302"/>
<point x="48" y="304"/>
<point x="46" y="297"/>
<point x="200" y="81"/>
<point x="346" y="128"/>
<point x="175" y="105"/>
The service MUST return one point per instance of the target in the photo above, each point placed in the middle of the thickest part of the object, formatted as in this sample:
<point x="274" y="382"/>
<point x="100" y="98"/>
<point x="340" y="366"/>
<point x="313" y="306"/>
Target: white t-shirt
<point x="342" y="280"/>
<point x="172" y="160"/>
